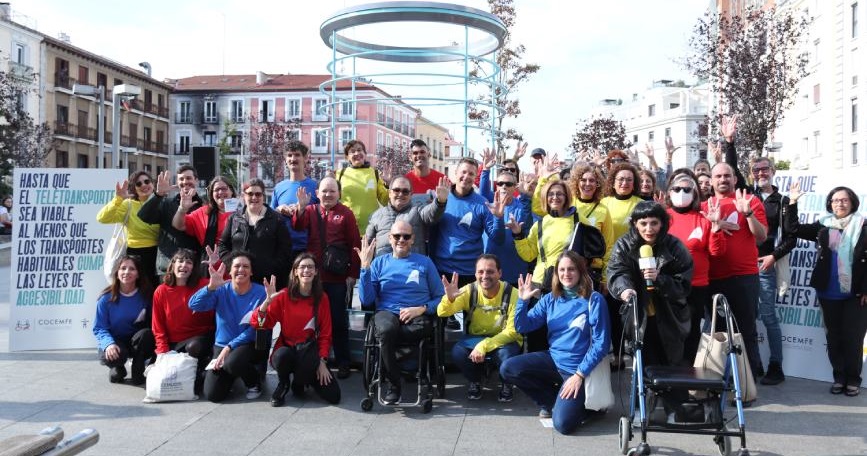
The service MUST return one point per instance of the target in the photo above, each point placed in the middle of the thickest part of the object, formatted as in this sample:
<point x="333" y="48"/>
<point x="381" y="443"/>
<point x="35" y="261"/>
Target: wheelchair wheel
<point x="427" y="406"/>
<point x="366" y="404"/>
<point x="724" y="445"/>
<point x="369" y="361"/>
<point x="625" y="434"/>
<point x="440" y="382"/>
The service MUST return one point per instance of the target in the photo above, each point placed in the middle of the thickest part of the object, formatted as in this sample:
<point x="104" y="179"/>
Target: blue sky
<point x="587" y="50"/>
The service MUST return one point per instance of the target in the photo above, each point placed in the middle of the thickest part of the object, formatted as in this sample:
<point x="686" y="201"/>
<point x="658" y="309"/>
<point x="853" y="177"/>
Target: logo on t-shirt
<point x="467" y="220"/>
<point x="413" y="276"/>
<point x="733" y="217"/>
<point x="696" y="233"/>
<point x="579" y="322"/>
<point x="370" y="185"/>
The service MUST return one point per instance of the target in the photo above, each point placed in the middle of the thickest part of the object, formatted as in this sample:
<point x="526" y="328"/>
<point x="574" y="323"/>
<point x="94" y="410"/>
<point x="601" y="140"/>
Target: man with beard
<point x="286" y="192"/>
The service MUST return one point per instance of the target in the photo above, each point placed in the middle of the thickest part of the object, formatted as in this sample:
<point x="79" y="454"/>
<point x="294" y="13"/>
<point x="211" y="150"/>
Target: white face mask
<point x="681" y="199"/>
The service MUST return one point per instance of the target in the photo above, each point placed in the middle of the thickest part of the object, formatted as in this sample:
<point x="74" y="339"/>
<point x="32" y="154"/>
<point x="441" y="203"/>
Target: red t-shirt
<point x="695" y="232"/>
<point x="424" y="185"/>
<point x="197" y="224"/>
<point x="296" y="323"/>
<point x="173" y="321"/>
<point x="742" y="255"/>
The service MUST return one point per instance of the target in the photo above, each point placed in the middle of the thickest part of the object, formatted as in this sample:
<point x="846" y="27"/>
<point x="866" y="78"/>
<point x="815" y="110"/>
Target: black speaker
<point x="204" y="159"/>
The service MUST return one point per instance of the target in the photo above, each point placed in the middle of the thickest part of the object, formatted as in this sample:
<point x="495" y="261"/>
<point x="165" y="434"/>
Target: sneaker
<point x="343" y="372"/>
<point x="254" y="392"/>
<point x="278" y="398"/>
<point x="544" y="413"/>
<point x="506" y="393"/>
<point x="117" y="374"/>
<point x="774" y="376"/>
<point x="392" y="395"/>
<point x="474" y="391"/>
<point x="453" y="323"/>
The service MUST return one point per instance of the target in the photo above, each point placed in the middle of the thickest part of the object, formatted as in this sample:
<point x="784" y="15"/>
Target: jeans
<point x="742" y="293"/>
<point x="768" y="313"/>
<point x="538" y="377"/>
<point x="473" y="371"/>
<point x="336" y="292"/>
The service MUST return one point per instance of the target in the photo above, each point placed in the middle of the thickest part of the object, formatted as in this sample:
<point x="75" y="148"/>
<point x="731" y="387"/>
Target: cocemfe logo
<point x="54" y="323"/>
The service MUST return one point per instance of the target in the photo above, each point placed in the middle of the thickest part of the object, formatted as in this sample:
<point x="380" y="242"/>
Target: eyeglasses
<point x="762" y="169"/>
<point x="505" y="184"/>
<point x="624" y="180"/>
<point x="143" y="182"/>
<point x="681" y="189"/>
<point x="556" y="195"/>
<point x="840" y="201"/>
<point x="510" y="170"/>
<point x="401" y="191"/>
<point x="399" y="236"/>
<point x="617" y="160"/>
<point x="221" y="189"/>
<point x="306" y="266"/>
<point x="254" y="194"/>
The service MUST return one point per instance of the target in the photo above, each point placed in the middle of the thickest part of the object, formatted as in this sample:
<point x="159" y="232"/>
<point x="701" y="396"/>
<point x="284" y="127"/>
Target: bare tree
<point x="753" y="63"/>
<point x="600" y="133"/>
<point x="268" y="142"/>
<point x="392" y="161"/>
<point x="513" y="72"/>
<point x="23" y="142"/>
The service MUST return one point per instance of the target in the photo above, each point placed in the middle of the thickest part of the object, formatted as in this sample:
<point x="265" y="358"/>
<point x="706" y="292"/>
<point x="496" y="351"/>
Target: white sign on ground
<point x="57" y="255"/>
<point x="804" y="343"/>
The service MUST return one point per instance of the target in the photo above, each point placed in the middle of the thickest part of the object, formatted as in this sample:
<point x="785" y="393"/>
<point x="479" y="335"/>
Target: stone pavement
<point x="70" y="388"/>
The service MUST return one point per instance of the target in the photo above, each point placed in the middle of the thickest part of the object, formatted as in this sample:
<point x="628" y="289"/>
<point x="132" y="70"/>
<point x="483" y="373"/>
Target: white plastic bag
<point x="597" y="387"/>
<point x="116" y="246"/>
<point x="171" y="378"/>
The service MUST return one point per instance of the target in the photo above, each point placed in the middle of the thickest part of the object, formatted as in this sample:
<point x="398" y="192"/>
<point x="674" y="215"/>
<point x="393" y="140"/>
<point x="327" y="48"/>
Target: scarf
<point x="851" y="227"/>
<point x="570" y="293"/>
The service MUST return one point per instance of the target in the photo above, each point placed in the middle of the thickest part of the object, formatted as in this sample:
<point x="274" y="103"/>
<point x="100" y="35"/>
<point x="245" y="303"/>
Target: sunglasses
<point x="510" y="170"/>
<point x="254" y="194"/>
<point x="143" y="182"/>
<point x="401" y="191"/>
<point x="399" y="236"/>
<point x="681" y="189"/>
<point x="617" y="160"/>
<point x="505" y="184"/>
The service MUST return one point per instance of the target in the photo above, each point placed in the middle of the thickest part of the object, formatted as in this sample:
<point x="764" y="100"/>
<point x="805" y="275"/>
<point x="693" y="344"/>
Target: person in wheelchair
<point x="489" y="324"/>
<point x="404" y="289"/>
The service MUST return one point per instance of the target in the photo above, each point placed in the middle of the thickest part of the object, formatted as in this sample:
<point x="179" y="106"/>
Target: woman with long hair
<point x="175" y="326"/>
<point x="122" y="324"/>
<point x="142" y="238"/>
<point x="586" y="184"/>
<point x="840" y="280"/>
<point x="578" y="335"/>
<point x="301" y="350"/>
<point x="206" y="223"/>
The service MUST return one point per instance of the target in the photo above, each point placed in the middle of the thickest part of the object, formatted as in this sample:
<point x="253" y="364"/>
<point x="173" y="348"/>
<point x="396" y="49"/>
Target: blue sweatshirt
<point x="394" y="283"/>
<point x="233" y="319"/>
<point x="511" y="263"/>
<point x="285" y="193"/>
<point x="457" y="240"/>
<point x="579" y="333"/>
<point x="117" y="319"/>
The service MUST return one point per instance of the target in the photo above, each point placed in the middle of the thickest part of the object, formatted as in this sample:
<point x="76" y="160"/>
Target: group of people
<point x="498" y="246"/>
<point x="6" y="214"/>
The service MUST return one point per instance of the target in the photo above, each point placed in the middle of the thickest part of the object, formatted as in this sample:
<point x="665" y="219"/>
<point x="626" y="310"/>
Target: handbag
<point x="586" y="240"/>
<point x="116" y="248"/>
<point x="713" y="355"/>
<point x="171" y="378"/>
<point x="335" y="258"/>
<point x="597" y="386"/>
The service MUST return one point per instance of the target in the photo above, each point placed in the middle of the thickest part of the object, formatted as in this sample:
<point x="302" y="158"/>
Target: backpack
<point x="474" y="302"/>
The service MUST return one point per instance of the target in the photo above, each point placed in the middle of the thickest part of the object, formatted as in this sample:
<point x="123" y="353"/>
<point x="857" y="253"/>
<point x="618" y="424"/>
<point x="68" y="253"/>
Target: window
<point x="235" y="141"/>
<point x="346" y="110"/>
<point x="183" y="144"/>
<point x="816" y="54"/>
<point x="62" y="114"/>
<point x="388" y="141"/>
<point x="320" y="139"/>
<point x="19" y="54"/>
<point x="855" y="20"/>
<point x="266" y="110"/>
<point x="185" y="113"/>
<point x="61" y="159"/>
<point x="345" y="136"/>
<point x="293" y="108"/>
<point x="148" y="100"/>
<point x="855" y="153"/>
<point x="816" y="143"/>
<point x="854" y="111"/>
<point x="236" y="112"/>
<point x="210" y="138"/>
<point x="146" y="136"/>
<point x="102" y="80"/>
<point x="161" y="141"/>
<point x="133" y="134"/>
<point x="380" y="140"/>
<point x="650" y="136"/>
<point x="380" y="113"/>
<point x="817" y="92"/>
<point x="61" y="73"/>
<point x="320" y="109"/>
<point x="210" y="112"/>
<point x="634" y="139"/>
<point x="83" y="74"/>
<point x="651" y="110"/>
<point x="668" y="132"/>
<point x="293" y="135"/>
<point x="82" y="161"/>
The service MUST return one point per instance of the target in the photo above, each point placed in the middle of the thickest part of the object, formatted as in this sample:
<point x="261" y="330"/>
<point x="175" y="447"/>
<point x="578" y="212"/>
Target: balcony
<point x="212" y="119"/>
<point x="64" y="128"/>
<point x="183" y="117"/>
<point x="63" y="81"/>
<point x="238" y="118"/>
<point x="21" y="71"/>
<point x="85" y="132"/>
<point x="181" y="149"/>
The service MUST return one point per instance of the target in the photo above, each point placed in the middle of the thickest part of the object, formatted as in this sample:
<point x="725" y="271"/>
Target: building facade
<point x="20" y="56"/>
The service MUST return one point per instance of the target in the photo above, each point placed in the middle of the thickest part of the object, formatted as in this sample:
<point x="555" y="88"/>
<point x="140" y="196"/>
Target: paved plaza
<point x="70" y="388"/>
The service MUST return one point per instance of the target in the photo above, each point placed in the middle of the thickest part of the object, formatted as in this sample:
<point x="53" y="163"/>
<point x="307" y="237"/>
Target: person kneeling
<point x="405" y="290"/>
<point x="579" y="338"/>
<point x="489" y="322"/>
<point x="305" y="333"/>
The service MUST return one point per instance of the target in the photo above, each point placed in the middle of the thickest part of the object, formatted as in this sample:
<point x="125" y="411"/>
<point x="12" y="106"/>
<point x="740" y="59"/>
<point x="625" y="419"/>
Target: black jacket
<point x="161" y="210"/>
<point x="269" y="242"/>
<point x="776" y="205"/>
<point x="672" y="286"/>
<point x="818" y="233"/>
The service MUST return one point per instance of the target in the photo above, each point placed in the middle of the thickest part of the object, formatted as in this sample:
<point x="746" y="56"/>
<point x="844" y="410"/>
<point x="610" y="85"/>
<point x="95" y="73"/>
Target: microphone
<point x="647" y="261"/>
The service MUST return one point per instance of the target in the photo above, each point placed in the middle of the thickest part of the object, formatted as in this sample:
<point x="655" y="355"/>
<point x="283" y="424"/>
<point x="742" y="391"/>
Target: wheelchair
<point x="423" y="361"/>
<point x="703" y="412"/>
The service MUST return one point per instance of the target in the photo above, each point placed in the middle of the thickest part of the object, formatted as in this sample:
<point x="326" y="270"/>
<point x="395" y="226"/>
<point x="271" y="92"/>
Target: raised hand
<point x="550" y="165"/>
<point x="514" y="225"/>
<point x="714" y="148"/>
<point x="216" y="276"/>
<point x="187" y="195"/>
<point x="303" y="199"/>
<point x="729" y="126"/>
<point x="489" y="158"/>
<point x="498" y="207"/>
<point x="712" y="214"/>
<point x="742" y="201"/>
<point x="270" y="287"/>
<point x="442" y="190"/>
<point x="659" y="197"/>
<point x="211" y="256"/>
<point x="451" y="287"/>
<point x="121" y="189"/>
<point x="669" y="148"/>
<point x="520" y="151"/>
<point x="795" y="192"/>
<point x="598" y="158"/>
<point x="526" y="290"/>
<point x="648" y="151"/>
<point x="164" y="183"/>
<point x="365" y="253"/>
<point x="527" y="184"/>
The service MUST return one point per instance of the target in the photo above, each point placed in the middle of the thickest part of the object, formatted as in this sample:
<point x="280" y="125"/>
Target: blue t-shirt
<point x="458" y="239"/>
<point x="285" y="193"/>
<point x="117" y="320"/>
<point x="394" y="283"/>
<point x="233" y="312"/>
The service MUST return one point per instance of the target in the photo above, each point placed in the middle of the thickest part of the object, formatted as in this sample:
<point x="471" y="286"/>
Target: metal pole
<point x="466" y="90"/>
<point x="115" y="130"/>
<point x="100" y="127"/>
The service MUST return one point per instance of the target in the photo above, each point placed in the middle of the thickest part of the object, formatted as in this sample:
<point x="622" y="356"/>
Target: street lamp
<point x="119" y="92"/>
<point x="99" y="93"/>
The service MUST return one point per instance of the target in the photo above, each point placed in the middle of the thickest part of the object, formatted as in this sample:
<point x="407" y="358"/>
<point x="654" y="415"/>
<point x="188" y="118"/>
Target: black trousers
<point x="845" y="326"/>
<point x="742" y="293"/>
<point x="698" y="301"/>
<point x="337" y="292"/>
<point x="241" y="362"/>
<point x="287" y="363"/>
<point x="390" y="333"/>
<point x="148" y="257"/>
<point x="199" y="347"/>
<point x="140" y="347"/>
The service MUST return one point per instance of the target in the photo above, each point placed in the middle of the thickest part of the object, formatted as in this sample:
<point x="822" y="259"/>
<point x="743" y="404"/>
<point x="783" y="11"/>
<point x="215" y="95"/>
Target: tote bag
<point x="172" y="378"/>
<point x="116" y="247"/>
<point x="713" y="352"/>
<point x="597" y="385"/>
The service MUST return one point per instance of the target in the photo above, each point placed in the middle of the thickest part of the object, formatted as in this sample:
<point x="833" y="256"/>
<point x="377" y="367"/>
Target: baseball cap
<point x="538" y="151"/>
